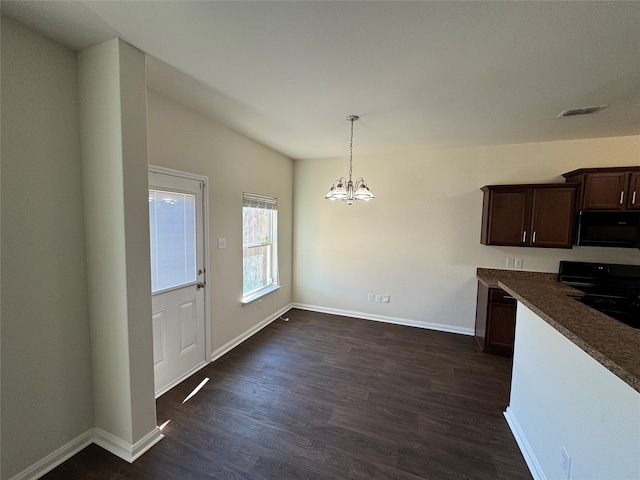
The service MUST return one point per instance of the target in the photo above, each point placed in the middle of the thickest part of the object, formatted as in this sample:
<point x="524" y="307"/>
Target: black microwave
<point x="608" y="229"/>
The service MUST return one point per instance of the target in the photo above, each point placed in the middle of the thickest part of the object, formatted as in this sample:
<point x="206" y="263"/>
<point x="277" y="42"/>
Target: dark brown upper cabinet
<point x="616" y="188"/>
<point x="531" y="215"/>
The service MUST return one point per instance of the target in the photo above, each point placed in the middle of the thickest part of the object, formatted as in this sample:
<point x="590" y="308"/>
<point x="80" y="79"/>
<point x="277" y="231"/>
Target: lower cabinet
<point x="495" y="320"/>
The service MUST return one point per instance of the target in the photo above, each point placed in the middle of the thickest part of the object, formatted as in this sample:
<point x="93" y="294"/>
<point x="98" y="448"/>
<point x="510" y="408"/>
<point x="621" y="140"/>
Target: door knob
<point x="200" y="285"/>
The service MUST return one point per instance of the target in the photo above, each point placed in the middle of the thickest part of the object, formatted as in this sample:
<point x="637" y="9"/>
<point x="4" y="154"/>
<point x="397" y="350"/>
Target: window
<point x="259" y="246"/>
<point x="172" y="223"/>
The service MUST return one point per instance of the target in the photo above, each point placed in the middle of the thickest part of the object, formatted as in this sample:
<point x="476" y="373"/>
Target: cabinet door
<point x="495" y="320"/>
<point x="482" y="309"/>
<point x="604" y="191"/>
<point x="552" y="217"/>
<point x="633" y="194"/>
<point x="501" y="328"/>
<point x="506" y="211"/>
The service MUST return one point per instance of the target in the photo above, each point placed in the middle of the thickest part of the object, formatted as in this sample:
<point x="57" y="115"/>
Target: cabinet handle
<point x="633" y="198"/>
<point x="524" y="236"/>
<point x="533" y="238"/>
<point x="621" y="197"/>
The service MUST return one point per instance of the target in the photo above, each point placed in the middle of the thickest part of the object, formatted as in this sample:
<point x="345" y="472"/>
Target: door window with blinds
<point x="172" y="223"/>
<point x="259" y="246"/>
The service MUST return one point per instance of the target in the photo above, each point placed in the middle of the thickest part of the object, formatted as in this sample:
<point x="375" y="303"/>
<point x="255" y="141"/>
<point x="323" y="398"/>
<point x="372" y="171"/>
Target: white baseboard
<point x="125" y="450"/>
<point x="252" y="331"/>
<point x="523" y="444"/>
<point x="441" y="327"/>
<point x="54" y="459"/>
<point x="181" y="379"/>
<point x="104" y="439"/>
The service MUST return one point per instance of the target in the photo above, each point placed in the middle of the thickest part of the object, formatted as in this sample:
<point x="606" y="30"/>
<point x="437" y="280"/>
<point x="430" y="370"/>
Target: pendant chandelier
<point x="347" y="190"/>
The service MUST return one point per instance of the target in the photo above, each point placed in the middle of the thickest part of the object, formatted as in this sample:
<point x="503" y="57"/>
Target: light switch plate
<point x="222" y="242"/>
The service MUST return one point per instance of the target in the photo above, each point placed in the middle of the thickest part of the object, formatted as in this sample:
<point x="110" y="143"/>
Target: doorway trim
<point x="207" y="288"/>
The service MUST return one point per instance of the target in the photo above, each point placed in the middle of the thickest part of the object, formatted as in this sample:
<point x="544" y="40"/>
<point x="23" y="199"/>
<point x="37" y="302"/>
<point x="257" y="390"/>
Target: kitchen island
<point x="574" y="406"/>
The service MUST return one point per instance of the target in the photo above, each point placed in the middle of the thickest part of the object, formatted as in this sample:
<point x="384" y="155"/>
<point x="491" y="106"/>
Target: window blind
<point x="259" y="201"/>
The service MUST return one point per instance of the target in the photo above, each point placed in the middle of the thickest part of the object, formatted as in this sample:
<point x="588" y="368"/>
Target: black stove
<point x="609" y="288"/>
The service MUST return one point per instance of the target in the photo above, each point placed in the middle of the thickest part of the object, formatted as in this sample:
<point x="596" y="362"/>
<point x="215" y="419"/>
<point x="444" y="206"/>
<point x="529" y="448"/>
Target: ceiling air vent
<point x="572" y="112"/>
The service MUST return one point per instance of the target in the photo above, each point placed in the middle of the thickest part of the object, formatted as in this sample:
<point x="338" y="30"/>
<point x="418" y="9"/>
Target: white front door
<point x="178" y="276"/>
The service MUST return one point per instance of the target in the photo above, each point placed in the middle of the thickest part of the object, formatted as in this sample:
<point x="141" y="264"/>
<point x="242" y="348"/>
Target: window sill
<point x="259" y="294"/>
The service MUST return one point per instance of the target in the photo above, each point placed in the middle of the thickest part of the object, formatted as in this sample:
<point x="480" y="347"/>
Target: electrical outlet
<point x="222" y="242"/>
<point x="386" y="298"/>
<point x="369" y="297"/>
<point x="510" y="262"/>
<point x="565" y="463"/>
<point x="378" y="298"/>
<point x="518" y="263"/>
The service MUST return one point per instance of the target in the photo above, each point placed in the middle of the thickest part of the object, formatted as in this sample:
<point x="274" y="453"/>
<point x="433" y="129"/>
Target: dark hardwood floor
<point x="330" y="397"/>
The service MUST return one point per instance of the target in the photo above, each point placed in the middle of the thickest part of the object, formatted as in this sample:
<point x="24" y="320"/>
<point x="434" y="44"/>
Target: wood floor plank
<point x="330" y="397"/>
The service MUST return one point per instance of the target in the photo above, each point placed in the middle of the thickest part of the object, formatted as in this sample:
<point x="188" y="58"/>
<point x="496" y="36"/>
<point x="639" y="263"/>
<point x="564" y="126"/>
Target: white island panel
<point x="562" y="398"/>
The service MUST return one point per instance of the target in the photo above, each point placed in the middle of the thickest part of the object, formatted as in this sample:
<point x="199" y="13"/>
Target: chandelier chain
<point x="351" y="150"/>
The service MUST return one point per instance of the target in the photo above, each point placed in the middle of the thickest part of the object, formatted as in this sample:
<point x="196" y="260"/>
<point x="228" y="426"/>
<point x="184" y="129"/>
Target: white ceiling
<point x="419" y="74"/>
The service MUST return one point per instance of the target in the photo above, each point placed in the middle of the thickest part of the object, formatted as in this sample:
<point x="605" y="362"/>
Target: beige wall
<point x="46" y="363"/>
<point x="419" y="240"/>
<point x="47" y="390"/>
<point x="183" y="140"/>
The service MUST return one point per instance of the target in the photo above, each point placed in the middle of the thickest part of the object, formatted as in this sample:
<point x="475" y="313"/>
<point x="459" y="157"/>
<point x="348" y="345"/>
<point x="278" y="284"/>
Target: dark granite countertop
<point x="613" y="344"/>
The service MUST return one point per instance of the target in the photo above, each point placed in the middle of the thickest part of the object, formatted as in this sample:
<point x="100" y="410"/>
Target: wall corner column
<point x="112" y="87"/>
